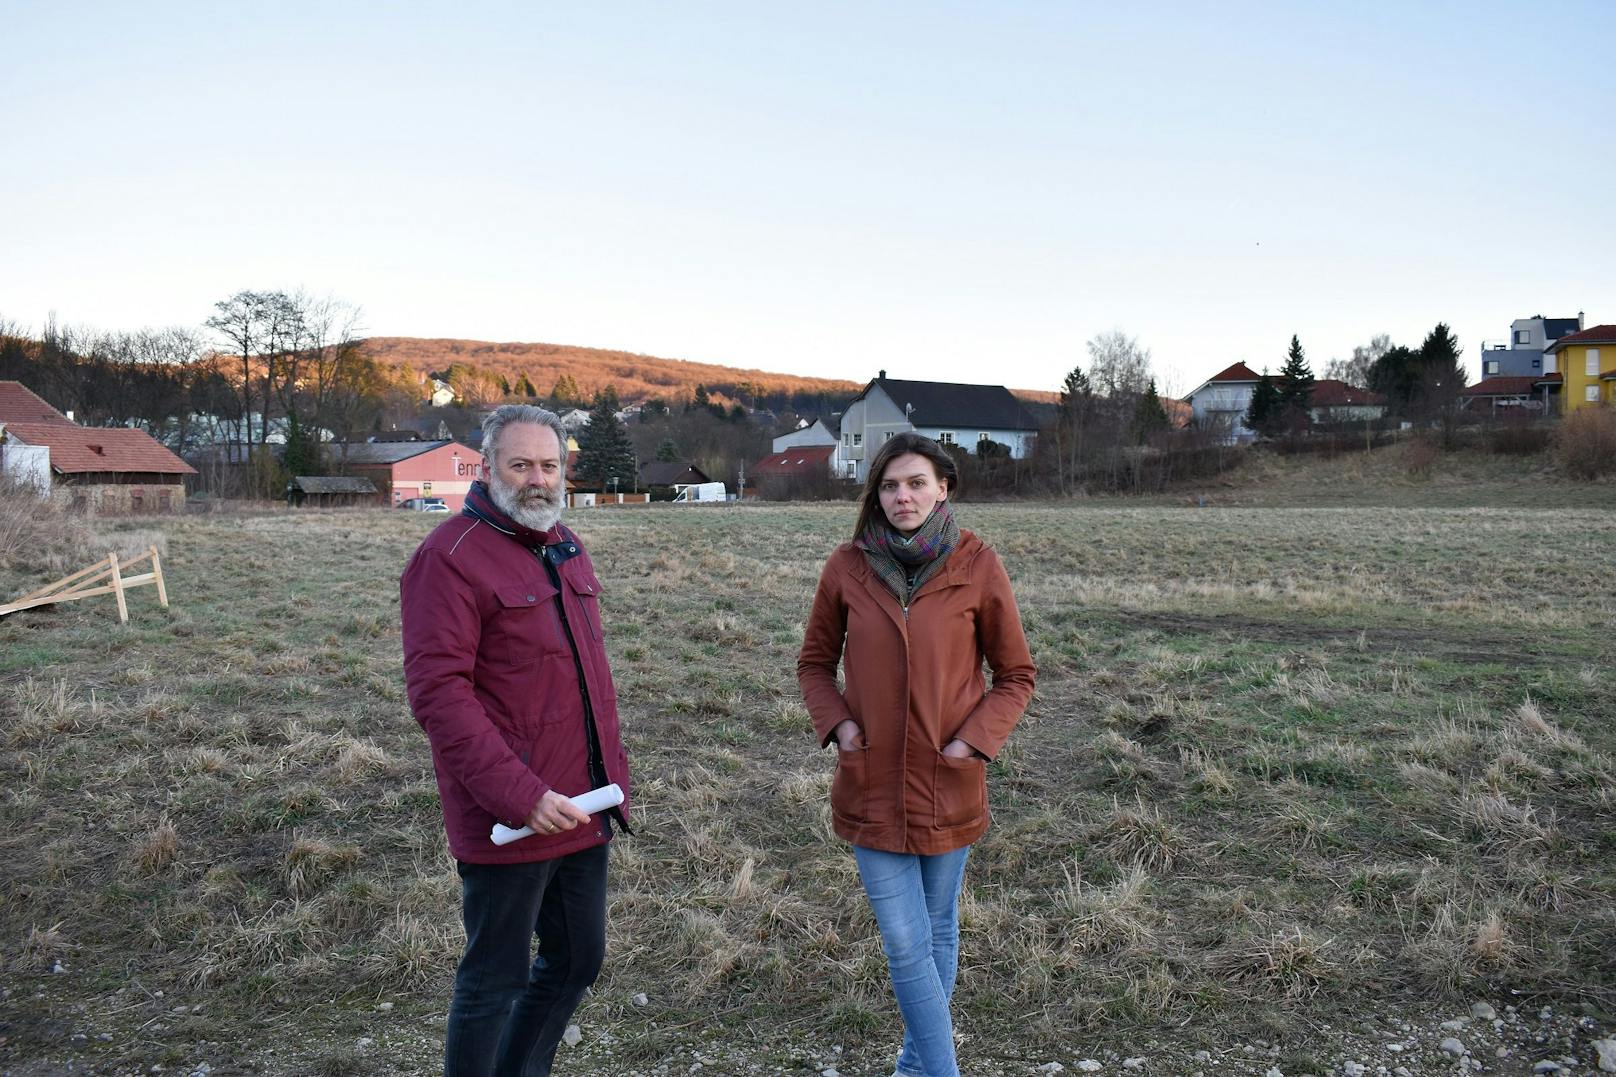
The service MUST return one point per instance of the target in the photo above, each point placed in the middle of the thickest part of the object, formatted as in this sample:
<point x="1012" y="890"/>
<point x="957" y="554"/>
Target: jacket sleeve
<point x="1001" y="641"/>
<point x="821" y="652"/>
<point x="442" y="629"/>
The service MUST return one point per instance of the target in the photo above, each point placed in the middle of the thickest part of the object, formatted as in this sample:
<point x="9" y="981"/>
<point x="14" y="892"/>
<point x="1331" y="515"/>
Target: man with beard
<point x="506" y="667"/>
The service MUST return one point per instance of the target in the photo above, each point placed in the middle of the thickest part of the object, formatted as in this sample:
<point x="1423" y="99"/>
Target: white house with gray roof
<point x="953" y="414"/>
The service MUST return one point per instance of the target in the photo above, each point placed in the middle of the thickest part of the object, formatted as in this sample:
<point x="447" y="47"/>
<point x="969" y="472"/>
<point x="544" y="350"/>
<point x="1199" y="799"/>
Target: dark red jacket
<point x="494" y="679"/>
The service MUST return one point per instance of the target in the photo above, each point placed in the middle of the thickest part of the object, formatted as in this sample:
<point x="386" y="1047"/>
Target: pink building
<point x="405" y="469"/>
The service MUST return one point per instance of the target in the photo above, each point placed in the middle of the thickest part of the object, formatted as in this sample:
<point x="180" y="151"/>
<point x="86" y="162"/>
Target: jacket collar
<point x="956" y="571"/>
<point x="480" y="505"/>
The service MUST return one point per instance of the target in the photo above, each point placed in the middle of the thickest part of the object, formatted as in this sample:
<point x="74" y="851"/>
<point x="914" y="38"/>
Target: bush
<point x="1587" y="442"/>
<point x="37" y="533"/>
<point x="1518" y="435"/>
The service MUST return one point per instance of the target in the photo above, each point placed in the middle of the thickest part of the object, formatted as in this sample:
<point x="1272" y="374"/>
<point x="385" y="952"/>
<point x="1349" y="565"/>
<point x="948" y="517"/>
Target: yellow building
<point x="1587" y="364"/>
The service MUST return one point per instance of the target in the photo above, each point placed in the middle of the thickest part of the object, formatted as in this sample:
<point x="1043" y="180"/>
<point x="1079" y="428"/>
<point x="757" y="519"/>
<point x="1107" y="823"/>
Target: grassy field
<point x="1287" y="770"/>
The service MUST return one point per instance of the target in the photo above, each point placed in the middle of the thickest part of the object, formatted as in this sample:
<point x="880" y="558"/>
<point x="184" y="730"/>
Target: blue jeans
<point x="916" y="903"/>
<point x="506" y="1017"/>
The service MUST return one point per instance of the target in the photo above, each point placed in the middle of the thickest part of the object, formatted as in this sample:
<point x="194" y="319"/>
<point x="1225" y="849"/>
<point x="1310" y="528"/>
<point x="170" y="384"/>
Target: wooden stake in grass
<point x="87" y="582"/>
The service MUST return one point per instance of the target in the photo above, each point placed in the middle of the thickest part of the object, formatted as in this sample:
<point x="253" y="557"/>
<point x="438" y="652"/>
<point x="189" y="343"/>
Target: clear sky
<point x="960" y="192"/>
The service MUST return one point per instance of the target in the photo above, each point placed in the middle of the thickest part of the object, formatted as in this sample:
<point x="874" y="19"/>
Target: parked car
<point x="425" y="504"/>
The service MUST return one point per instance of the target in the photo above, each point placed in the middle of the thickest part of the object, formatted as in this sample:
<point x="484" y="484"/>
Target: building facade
<point x="1524" y="356"/>
<point x="401" y="470"/>
<point x="949" y="413"/>
<point x="1587" y="367"/>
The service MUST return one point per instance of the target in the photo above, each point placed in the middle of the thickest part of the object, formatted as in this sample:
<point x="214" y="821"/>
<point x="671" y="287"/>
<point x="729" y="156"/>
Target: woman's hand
<point x="849" y="737"/>
<point x="958" y="749"/>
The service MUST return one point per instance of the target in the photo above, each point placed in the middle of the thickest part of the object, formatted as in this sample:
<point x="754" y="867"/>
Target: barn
<point x="107" y="470"/>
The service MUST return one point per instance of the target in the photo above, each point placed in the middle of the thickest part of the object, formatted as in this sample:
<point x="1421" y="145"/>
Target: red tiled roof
<point x="1598" y="334"/>
<point x="1237" y="372"/>
<point x="797" y="461"/>
<point x="19" y="404"/>
<point x="78" y="449"/>
<point x="1332" y="393"/>
<point x="1519" y="385"/>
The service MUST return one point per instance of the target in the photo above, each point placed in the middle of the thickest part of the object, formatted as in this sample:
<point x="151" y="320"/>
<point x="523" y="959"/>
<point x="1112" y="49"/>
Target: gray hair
<point x="506" y="414"/>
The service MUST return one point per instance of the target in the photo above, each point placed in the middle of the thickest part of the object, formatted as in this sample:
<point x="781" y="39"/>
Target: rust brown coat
<point x="913" y="683"/>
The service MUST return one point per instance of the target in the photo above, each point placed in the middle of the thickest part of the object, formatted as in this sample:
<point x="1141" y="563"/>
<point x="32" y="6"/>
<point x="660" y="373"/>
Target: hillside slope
<point x="636" y="377"/>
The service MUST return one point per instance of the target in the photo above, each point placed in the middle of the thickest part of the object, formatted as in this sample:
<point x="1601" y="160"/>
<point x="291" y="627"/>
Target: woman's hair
<point x="897" y="445"/>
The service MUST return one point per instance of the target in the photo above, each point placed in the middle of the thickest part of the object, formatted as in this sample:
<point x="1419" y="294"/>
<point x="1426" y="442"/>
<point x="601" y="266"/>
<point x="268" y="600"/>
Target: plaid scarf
<point x="906" y="562"/>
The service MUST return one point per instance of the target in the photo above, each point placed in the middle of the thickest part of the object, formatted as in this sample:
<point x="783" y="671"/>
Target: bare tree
<point x="1118" y="366"/>
<point x="1355" y="371"/>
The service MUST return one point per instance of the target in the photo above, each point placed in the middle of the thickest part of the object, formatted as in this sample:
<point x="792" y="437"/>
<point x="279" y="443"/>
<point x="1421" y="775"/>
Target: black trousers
<point x="507" y="1016"/>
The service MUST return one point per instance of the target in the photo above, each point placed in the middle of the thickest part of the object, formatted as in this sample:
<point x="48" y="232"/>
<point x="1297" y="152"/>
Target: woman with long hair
<point x="910" y="608"/>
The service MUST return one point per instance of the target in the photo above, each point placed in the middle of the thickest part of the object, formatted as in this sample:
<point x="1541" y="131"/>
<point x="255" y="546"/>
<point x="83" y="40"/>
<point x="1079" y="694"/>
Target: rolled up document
<point x="607" y="796"/>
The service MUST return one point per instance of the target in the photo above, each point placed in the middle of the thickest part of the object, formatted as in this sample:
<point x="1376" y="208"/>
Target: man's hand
<point x="554" y="814"/>
<point x="849" y="737"/>
<point x="958" y="749"/>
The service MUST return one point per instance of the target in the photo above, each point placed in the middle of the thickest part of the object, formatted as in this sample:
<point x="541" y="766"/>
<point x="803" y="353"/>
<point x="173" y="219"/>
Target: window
<point x="945" y="437"/>
<point x="1492" y="366"/>
<point x="1522" y="336"/>
<point x="858" y="439"/>
<point x="847" y="439"/>
<point x="1591" y="393"/>
<point x="1592" y="369"/>
<point x="982" y="436"/>
<point x="886" y="435"/>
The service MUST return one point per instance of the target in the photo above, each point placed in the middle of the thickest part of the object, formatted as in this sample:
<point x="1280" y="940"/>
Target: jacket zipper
<point x="597" y="767"/>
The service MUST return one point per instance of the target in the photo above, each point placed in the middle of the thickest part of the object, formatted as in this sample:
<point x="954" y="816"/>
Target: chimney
<point x="69" y="416"/>
<point x="881" y="375"/>
<point x="1579" y="321"/>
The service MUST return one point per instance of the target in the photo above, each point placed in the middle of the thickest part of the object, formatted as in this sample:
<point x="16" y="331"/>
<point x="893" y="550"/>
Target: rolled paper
<point x="607" y="796"/>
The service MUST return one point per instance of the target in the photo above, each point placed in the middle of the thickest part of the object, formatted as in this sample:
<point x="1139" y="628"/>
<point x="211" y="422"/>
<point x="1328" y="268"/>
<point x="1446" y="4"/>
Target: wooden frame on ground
<point x="87" y="582"/>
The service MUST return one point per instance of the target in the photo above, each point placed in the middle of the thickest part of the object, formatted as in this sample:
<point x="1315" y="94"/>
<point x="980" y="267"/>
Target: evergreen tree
<point x="1148" y="414"/>
<point x="566" y="393"/>
<point x="1395" y="375"/>
<point x="605" y="451"/>
<point x="667" y="451"/>
<point x="524" y="387"/>
<point x="700" y="397"/>
<point x="1296" y="388"/>
<point x="1266" y="410"/>
<point x="1075" y="390"/>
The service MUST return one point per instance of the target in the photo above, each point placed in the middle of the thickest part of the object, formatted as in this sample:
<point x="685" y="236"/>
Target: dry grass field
<point x="1289" y="772"/>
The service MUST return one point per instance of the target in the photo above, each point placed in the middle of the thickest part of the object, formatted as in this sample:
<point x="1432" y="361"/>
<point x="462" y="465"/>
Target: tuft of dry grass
<point x="161" y="848"/>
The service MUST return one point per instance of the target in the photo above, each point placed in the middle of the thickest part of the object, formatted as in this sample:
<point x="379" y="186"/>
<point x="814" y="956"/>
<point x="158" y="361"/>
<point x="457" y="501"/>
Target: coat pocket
<point x="848" y="788"/>
<point x="522" y="627"/>
<point x="959" y="792"/>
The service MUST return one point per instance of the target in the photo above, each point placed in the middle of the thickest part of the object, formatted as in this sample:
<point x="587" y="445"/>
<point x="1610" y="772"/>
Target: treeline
<point x="571" y="376"/>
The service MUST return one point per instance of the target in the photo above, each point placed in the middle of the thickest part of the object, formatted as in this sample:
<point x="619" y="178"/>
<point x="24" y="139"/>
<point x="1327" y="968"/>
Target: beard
<point x="536" y="508"/>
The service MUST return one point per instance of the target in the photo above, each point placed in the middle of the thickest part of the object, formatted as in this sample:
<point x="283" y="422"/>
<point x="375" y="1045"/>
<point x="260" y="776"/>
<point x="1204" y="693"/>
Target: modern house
<point x="953" y="414"/>
<point x="100" y="469"/>
<point x="1587" y="362"/>
<point x="1220" y="402"/>
<point x="401" y="470"/>
<point x="1529" y="339"/>
<point x="816" y="434"/>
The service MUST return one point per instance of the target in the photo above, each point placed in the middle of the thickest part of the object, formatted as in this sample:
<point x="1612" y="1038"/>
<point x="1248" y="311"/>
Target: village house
<point x="811" y="461"/>
<point x="1530" y="393"/>
<point x="1334" y="401"/>
<point x="1220" y="403"/>
<point x="952" y="414"/>
<point x="1587" y="363"/>
<point x="103" y="470"/>
<point x="815" y="434"/>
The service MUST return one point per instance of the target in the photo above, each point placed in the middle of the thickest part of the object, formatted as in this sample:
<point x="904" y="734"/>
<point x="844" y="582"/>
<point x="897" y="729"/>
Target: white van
<point x="689" y="492"/>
